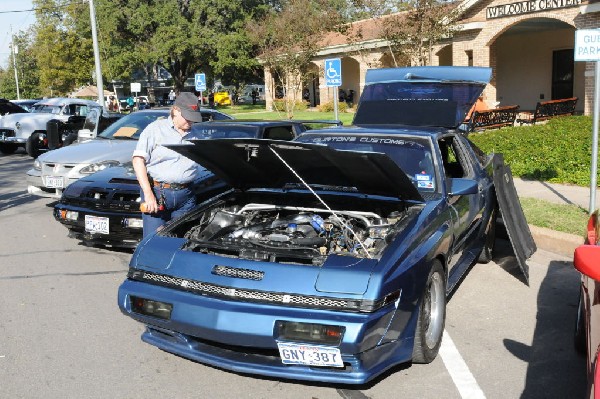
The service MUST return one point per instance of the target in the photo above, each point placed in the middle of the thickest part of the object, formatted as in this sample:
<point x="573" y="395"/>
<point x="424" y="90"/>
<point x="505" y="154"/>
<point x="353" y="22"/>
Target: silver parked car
<point x="29" y="129"/>
<point x="55" y="170"/>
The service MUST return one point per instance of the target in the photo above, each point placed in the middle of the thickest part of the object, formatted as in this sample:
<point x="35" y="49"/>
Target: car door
<point x="467" y="209"/>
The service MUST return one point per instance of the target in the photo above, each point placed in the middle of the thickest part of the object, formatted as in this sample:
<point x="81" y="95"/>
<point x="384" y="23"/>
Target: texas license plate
<point x="54" y="182"/>
<point x="96" y="224"/>
<point x="310" y="355"/>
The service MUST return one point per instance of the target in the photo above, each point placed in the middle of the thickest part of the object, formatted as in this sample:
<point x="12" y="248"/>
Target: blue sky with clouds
<point x="18" y="21"/>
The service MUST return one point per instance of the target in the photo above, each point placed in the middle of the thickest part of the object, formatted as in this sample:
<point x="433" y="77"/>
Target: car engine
<point x="263" y="231"/>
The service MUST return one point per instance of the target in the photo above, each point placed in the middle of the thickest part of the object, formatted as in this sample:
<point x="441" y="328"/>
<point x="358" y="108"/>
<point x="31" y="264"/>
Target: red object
<point x="587" y="260"/>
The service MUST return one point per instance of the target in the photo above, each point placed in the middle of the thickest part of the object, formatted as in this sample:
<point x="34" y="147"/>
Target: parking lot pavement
<point x="62" y="335"/>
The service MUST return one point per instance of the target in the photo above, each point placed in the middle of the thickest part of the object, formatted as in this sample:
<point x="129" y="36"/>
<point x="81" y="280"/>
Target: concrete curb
<point x="555" y="241"/>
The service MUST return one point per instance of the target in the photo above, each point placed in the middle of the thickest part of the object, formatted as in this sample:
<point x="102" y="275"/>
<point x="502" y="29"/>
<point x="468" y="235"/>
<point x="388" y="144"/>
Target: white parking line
<point x="459" y="371"/>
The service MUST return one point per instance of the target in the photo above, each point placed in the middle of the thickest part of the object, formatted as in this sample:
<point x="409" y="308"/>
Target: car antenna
<point x="323" y="202"/>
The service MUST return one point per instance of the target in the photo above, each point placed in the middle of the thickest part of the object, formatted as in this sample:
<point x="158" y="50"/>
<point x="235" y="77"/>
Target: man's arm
<point x="139" y="166"/>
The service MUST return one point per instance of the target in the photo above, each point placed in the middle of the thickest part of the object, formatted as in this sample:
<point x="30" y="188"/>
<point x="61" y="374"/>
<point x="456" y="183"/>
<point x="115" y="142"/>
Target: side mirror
<point x="460" y="186"/>
<point x="587" y="260"/>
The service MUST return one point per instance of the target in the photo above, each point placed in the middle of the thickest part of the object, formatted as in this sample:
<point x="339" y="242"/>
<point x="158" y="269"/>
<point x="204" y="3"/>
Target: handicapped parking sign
<point x="333" y="72"/>
<point x="200" y="80"/>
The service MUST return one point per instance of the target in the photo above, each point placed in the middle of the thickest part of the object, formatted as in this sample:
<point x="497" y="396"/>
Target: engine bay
<point x="291" y="234"/>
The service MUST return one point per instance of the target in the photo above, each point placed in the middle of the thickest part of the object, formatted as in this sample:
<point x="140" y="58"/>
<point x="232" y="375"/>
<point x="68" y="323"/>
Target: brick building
<point x="529" y="44"/>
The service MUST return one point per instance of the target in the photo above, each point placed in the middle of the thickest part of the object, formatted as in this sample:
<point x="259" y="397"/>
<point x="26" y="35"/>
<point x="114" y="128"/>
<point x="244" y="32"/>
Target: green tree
<point x="182" y="36"/>
<point x="286" y="42"/>
<point x="27" y="70"/>
<point x="413" y="32"/>
<point x="63" y="53"/>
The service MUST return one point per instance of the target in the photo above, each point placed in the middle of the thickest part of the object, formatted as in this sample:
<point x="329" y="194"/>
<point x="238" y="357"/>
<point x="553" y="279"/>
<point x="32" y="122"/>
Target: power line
<point x="42" y="8"/>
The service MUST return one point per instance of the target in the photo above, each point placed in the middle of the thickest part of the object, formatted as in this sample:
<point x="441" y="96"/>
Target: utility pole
<point x="99" y="83"/>
<point x="14" y="57"/>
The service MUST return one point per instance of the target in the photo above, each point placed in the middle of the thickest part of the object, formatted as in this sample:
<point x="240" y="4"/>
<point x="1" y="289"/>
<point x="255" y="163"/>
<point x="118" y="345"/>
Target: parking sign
<point x="200" y="80"/>
<point x="333" y="72"/>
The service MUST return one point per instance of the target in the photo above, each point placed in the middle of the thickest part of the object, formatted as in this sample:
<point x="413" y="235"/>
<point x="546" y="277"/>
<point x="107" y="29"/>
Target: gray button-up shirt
<point x="165" y="165"/>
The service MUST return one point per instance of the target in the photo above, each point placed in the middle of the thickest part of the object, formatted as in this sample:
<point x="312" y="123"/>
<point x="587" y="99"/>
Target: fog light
<point x="134" y="223"/>
<point x="309" y="332"/>
<point x="148" y="307"/>
<point x="69" y="215"/>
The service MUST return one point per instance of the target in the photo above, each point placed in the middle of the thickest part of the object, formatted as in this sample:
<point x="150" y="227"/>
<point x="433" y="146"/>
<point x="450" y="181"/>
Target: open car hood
<point x="254" y="163"/>
<point x="420" y="96"/>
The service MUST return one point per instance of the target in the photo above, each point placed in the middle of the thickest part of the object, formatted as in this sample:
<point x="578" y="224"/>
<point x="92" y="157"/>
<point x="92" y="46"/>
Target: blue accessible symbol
<point x="333" y="72"/>
<point x="200" y="81"/>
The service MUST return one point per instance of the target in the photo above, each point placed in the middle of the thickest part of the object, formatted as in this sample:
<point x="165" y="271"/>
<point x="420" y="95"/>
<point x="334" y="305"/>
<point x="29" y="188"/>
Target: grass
<point x="248" y="111"/>
<point x="558" y="151"/>
<point x="570" y="219"/>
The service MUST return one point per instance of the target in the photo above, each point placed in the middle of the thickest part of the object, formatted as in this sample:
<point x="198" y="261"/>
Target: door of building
<point x="562" y="74"/>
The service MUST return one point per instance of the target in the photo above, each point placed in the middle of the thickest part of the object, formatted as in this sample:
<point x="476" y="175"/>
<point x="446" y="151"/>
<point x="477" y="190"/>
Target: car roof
<point x="67" y="100"/>
<point x="8" y="107"/>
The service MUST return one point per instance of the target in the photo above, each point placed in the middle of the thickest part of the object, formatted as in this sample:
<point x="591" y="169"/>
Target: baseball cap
<point x="188" y="104"/>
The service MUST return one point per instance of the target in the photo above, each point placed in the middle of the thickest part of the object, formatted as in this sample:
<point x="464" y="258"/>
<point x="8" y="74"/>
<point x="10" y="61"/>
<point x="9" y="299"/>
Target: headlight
<point x="37" y="164"/>
<point x="96" y="167"/>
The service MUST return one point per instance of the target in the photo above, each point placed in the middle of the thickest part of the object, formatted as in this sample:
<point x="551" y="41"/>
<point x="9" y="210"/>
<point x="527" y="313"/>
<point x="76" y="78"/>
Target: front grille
<point x="7" y="132"/>
<point x="106" y="199"/>
<point x="274" y="298"/>
<point x="56" y="169"/>
<point x="238" y="273"/>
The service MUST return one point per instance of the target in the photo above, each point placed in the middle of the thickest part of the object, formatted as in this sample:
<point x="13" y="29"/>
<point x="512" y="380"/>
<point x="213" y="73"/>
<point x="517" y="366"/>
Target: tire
<point x="580" y="338"/>
<point x="8" y="148"/>
<point x="432" y="316"/>
<point x="487" y="253"/>
<point x="34" y="146"/>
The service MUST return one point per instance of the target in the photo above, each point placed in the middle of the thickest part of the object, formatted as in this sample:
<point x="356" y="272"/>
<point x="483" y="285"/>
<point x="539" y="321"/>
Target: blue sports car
<point x="332" y="256"/>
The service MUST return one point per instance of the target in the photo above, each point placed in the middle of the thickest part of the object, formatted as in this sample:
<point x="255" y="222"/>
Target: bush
<point x="559" y="151"/>
<point x="279" y="105"/>
<point x="328" y="107"/>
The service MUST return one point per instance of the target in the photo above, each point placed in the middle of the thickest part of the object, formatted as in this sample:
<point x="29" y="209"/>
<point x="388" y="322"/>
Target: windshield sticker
<point x="424" y="180"/>
<point x="126" y="131"/>
<point x="335" y="139"/>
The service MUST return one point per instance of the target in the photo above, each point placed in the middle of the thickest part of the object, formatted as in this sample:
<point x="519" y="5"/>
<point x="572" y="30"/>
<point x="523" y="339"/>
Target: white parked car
<point x="56" y="169"/>
<point x="29" y="129"/>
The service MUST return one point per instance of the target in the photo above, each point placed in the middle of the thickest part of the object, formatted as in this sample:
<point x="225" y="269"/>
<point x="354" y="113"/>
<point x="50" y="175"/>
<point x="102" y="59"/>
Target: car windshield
<point x="46" y="109"/>
<point x="416" y="103"/>
<point x="131" y="126"/>
<point x="205" y="131"/>
<point x="412" y="154"/>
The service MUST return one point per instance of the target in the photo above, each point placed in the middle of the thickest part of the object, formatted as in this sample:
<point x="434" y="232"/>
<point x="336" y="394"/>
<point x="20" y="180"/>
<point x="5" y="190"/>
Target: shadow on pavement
<point x="555" y="369"/>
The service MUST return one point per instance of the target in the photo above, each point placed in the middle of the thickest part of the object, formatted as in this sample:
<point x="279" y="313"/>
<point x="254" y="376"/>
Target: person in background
<point x="172" y="97"/>
<point x="166" y="176"/>
<point x="114" y="104"/>
<point x="254" y="96"/>
<point x="211" y="99"/>
<point x="479" y="105"/>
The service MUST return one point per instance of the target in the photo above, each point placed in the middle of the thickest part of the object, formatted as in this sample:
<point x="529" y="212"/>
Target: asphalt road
<point x="63" y="336"/>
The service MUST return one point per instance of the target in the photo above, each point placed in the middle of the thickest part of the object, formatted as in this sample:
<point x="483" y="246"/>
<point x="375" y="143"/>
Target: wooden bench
<point x="493" y="118"/>
<point x="549" y="109"/>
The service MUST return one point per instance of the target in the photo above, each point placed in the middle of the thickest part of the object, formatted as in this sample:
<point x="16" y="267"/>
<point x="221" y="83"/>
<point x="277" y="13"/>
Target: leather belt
<point x="172" y="186"/>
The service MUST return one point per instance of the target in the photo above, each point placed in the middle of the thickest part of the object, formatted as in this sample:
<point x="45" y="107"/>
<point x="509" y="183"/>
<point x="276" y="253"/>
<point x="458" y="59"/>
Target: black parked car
<point x="103" y="208"/>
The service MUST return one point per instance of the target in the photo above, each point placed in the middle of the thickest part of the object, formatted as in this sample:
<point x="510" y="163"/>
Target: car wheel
<point x="34" y="145"/>
<point x="7" y="148"/>
<point x="432" y="316"/>
<point x="487" y="253"/>
<point x="579" y="338"/>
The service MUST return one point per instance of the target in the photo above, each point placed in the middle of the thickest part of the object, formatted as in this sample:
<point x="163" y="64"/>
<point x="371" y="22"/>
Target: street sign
<point x="587" y="48"/>
<point x="200" y="81"/>
<point x="587" y="45"/>
<point x="333" y="72"/>
<point x="136" y="87"/>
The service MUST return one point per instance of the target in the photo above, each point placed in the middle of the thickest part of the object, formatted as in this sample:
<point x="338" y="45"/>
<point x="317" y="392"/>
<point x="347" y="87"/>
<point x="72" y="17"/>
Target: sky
<point x="18" y="20"/>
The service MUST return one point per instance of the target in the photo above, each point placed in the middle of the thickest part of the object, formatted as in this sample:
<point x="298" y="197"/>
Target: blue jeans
<point x="177" y="202"/>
